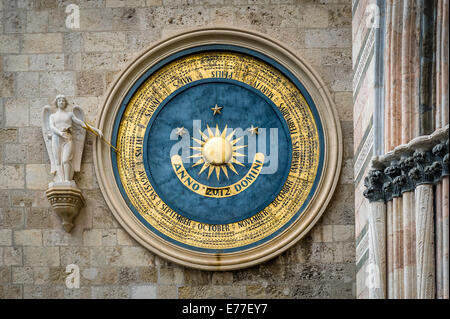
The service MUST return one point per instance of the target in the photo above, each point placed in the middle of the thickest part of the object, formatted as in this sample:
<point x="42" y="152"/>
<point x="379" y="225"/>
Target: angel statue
<point x="64" y="134"/>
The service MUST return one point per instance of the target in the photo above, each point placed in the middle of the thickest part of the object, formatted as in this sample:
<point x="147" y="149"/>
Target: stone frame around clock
<point x="228" y="36"/>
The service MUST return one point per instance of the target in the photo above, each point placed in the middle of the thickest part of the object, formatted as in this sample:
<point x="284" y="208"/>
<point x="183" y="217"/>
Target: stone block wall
<point x="40" y="57"/>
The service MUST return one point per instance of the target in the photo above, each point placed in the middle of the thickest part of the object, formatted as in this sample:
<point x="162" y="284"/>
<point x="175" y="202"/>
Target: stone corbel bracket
<point x="66" y="202"/>
<point x="424" y="160"/>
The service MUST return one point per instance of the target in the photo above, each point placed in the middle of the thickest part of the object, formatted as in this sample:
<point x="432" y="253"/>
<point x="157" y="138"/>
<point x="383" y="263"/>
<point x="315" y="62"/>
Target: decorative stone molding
<point x="422" y="161"/>
<point x="66" y="202"/>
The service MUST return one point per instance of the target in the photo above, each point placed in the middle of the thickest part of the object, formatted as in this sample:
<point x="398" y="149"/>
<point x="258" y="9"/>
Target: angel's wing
<point x="79" y="135"/>
<point x="47" y="134"/>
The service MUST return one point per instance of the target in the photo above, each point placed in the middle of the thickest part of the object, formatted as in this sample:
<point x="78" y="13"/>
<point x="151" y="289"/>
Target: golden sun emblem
<point x="217" y="152"/>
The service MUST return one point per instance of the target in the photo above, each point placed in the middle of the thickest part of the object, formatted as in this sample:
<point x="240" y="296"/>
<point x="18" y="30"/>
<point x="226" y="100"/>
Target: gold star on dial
<point x="181" y="131"/>
<point x="217" y="109"/>
<point x="253" y="130"/>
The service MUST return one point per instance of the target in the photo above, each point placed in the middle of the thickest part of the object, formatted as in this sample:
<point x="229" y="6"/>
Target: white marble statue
<point x="64" y="134"/>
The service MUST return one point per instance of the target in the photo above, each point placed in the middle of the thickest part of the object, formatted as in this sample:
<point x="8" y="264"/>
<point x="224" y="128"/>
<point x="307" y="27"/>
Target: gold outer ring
<point x="228" y="36"/>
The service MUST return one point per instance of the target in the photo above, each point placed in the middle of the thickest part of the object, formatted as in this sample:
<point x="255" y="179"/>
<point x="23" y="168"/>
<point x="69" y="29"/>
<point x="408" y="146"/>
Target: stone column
<point x="409" y="235"/>
<point x="398" y="244"/>
<point x="440" y="153"/>
<point x="377" y="233"/>
<point x="445" y="237"/>
<point x="425" y="242"/>
<point x="390" y="251"/>
<point x="439" y="241"/>
<point x="425" y="249"/>
<point x="377" y="248"/>
<point x="394" y="173"/>
<point x="442" y="63"/>
<point x="409" y="253"/>
<point x="408" y="64"/>
<point x="387" y="190"/>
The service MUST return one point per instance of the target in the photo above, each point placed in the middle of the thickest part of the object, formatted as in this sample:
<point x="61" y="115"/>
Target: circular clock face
<point x="220" y="149"/>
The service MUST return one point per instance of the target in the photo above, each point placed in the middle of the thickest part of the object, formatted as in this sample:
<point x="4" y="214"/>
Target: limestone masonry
<point x="40" y="57"/>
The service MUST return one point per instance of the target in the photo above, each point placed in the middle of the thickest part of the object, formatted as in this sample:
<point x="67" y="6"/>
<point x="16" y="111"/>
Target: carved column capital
<point x="422" y="173"/>
<point x="388" y="188"/>
<point x="433" y="172"/>
<point x="406" y="164"/>
<point x="374" y="183"/>
<point x="424" y="160"/>
<point x="440" y="152"/>
<point x="394" y="172"/>
<point x="420" y="157"/>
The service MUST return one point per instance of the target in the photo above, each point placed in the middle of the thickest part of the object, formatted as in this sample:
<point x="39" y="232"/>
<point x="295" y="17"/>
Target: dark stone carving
<point x="388" y="189"/>
<point x="415" y="174"/>
<point x="445" y="165"/>
<point x="406" y="164"/>
<point x="418" y="174"/>
<point x="432" y="173"/>
<point x="394" y="172"/>
<point x="445" y="161"/>
<point x="419" y="157"/>
<point x="373" y="183"/>
<point x="425" y="166"/>
<point x="440" y="151"/>
<point x="399" y="183"/>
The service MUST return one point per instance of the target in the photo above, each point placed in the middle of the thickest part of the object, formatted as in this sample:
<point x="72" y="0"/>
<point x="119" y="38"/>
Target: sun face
<point x="217" y="152"/>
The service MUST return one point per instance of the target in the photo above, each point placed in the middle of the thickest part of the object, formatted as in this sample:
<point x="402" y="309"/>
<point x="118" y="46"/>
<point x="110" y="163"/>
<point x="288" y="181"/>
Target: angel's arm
<point x="83" y="124"/>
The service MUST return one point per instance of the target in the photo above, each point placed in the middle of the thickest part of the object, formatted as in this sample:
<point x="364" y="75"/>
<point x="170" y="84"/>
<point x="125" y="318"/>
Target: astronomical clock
<point x="225" y="148"/>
